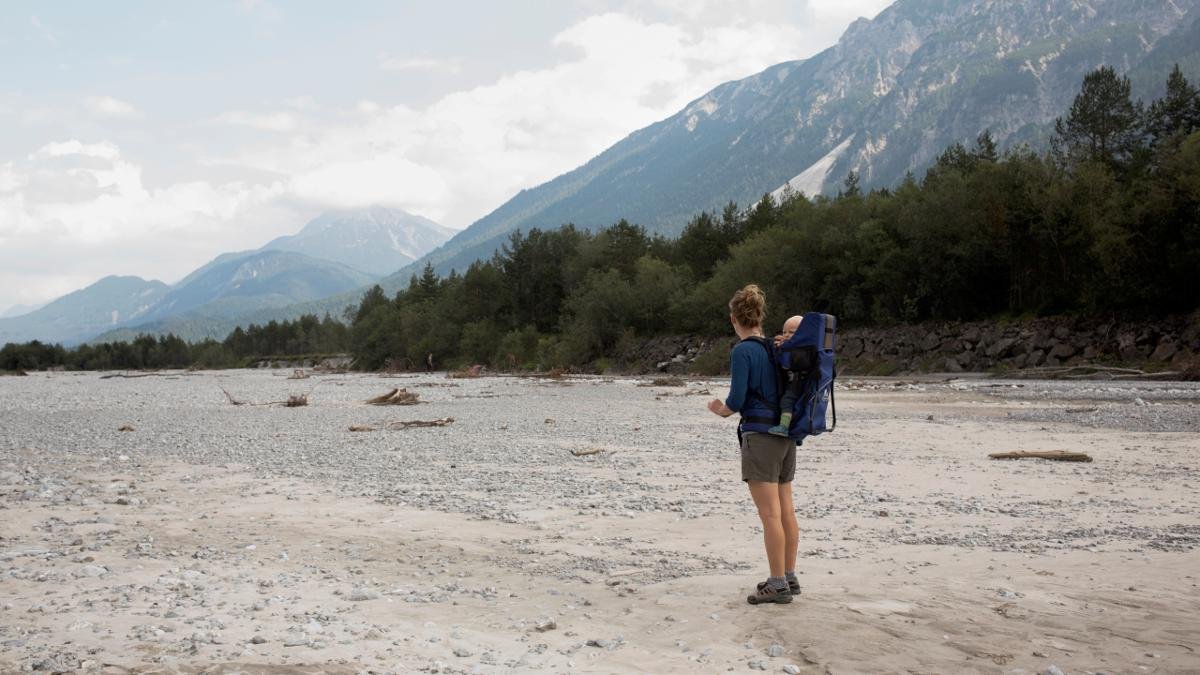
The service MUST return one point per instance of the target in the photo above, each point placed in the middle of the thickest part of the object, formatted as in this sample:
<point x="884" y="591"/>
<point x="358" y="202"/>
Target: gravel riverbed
<point x="230" y="538"/>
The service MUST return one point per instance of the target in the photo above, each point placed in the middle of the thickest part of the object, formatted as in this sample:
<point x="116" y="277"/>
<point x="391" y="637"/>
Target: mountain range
<point x="334" y="253"/>
<point x="892" y="94"/>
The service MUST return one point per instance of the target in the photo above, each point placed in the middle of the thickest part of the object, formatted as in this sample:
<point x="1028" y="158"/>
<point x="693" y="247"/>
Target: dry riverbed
<point x="255" y="539"/>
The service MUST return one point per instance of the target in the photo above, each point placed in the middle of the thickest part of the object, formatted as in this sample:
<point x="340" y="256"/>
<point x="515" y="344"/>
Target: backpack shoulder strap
<point x="779" y="385"/>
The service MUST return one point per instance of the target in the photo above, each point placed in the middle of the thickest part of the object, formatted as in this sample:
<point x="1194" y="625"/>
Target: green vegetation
<point x="1108" y="220"/>
<point x="305" y="335"/>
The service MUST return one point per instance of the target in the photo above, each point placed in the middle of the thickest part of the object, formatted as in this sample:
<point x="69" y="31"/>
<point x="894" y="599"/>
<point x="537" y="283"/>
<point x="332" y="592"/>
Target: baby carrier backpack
<point x="806" y="364"/>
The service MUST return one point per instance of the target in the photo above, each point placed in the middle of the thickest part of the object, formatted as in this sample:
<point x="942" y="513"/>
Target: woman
<point x="768" y="461"/>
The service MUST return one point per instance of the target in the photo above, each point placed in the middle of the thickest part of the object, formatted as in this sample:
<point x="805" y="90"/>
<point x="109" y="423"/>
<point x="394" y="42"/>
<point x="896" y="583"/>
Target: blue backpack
<point x="805" y="364"/>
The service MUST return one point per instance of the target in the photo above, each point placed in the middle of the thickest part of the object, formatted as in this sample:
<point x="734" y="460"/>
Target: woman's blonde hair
<point x="748" y="306"/>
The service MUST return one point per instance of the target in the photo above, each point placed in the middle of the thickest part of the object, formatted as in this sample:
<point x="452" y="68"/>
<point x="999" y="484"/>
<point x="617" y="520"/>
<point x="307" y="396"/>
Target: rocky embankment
<point x="1170" y="345"/>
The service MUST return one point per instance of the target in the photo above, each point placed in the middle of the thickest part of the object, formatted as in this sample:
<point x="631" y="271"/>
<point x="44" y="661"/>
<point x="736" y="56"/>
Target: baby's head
<point x="790" y="326"/>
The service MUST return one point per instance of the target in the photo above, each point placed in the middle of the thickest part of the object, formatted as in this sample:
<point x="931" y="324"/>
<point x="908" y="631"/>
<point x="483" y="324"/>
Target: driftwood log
<point x="396" y="397"/>
<point x="416" y="424"/>
<point x="586" y="452"/>
<point x="1059" y="455"/>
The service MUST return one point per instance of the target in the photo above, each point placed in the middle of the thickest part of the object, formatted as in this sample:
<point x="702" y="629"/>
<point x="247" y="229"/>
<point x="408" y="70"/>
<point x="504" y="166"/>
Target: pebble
<point x="791" y="669"/>
<point x="775" y="651"/>
<point x="462" y="652"/>
<point x="600" y="642"/>
<point x="545" y="625"/>
<point x="295" y="642"/>
<point x="362" y="594"/>
<point x="757" y="664"/>
<point x="1053" y="670"/>
<point x="91" y="571"/>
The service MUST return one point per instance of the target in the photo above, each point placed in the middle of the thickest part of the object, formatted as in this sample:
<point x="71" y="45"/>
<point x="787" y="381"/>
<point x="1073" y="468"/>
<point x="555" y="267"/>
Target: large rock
<point x="1062" y="350"/>
<point x="1001" y="348"/>
<point x="1164" y="351"/>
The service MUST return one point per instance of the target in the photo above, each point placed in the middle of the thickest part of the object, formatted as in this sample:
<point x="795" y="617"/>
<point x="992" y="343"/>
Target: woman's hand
<point x="717" y="407"/>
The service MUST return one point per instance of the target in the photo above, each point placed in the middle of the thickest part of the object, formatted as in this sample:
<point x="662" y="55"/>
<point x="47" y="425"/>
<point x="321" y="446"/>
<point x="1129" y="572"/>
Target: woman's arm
<point x="739" y="384"/>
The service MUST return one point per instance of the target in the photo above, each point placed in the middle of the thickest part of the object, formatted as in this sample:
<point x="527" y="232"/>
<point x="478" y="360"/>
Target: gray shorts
<point x="768" y="458"/>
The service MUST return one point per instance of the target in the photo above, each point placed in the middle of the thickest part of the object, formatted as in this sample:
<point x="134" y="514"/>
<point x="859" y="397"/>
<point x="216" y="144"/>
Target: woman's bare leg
<point x="766" y="500"/>
<point x="791" y="527"/>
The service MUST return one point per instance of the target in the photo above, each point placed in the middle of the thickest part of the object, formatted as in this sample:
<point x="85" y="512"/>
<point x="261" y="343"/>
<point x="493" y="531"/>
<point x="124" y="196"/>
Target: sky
<point x="145" y="138"/>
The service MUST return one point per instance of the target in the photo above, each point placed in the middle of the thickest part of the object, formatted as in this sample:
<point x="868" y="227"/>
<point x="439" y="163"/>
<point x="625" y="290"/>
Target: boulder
<point x="931" y="341"/>
<point x="854" y="347"/>
<point x="1001" y="348"/>
<point x="1062" y="350"/>
<point x="1165" y="351"/>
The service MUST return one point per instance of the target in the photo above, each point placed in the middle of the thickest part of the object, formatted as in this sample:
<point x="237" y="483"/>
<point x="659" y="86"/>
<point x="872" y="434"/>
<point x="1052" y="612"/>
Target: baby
<point x="791" y="390"/>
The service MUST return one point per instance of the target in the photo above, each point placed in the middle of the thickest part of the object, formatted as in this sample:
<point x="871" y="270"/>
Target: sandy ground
<point x="145" y="551"/>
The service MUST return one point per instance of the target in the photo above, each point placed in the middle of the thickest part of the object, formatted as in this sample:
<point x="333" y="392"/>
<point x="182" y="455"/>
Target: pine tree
<point x="1103" y="122"/>
<point x="985" y="147"/>
<point x="850" y="188"/>
<point x="1177" y="113"/>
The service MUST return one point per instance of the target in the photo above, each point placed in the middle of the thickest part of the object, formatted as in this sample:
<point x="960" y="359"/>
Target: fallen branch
<point x="588" y="451"/>
<point x="361" y="427"/>
<point x="293" y="401"/>
<point x="112" y="375"/>
<point x="395" y="397"/>
<point x="466" y="373"/>
<point x="669" y="381"/>
<point x="417" y="424"/>
<point x="1058" y="455"/>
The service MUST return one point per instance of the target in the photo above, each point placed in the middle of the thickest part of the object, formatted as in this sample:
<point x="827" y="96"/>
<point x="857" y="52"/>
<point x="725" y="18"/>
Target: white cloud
<point x="102" y="150"/>
<point x="469" y="151"/>
<point x="108" y="200"/>
<point x="109" y="107"/>
<point x="387" y="179"/>
<point x="268" y="121"/>
<point x="416" y="63"/>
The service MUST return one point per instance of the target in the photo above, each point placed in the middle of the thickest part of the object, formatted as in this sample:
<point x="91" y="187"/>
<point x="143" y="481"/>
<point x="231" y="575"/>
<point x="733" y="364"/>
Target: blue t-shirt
<point x="750" y="371"/>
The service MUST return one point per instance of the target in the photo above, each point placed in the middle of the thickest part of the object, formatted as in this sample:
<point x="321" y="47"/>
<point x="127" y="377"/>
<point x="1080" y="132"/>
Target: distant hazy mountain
<point x="376" y="240"/>
<point x="235" y="284"/>
<point x="333" y="254"/>
<point x="79" y="315"/>
<point x="18" y="310"/>
<point x="239" y="285"/>
<point x="886" y="99"/>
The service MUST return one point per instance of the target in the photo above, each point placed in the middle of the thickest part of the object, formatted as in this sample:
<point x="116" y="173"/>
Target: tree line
<point x="1106" y="220"/>
<point x="304" y="336"/>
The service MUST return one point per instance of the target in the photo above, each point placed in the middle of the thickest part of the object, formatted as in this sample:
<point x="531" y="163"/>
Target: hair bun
<point x="748" y="306"/>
